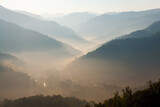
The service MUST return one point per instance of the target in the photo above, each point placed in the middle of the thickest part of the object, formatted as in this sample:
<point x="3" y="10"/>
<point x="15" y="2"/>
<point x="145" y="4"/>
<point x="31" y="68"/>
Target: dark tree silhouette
<point x="149" y="97"/>
<point x="44" y="101"/>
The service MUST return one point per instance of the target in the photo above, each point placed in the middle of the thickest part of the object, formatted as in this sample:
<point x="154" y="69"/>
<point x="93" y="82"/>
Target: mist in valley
<point x="84" y="55"/>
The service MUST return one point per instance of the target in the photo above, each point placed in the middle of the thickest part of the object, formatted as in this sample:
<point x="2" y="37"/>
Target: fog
<point x="41" y="57"/>
<point x="43" y="77"/>
<point x="86" y="79"/>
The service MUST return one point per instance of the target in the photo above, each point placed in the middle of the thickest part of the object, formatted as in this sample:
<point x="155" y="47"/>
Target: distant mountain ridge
<point x="30" y="14"/>
<point x="74" y="19"/>
<point x="49" y="28"/>
<point x="138" y="40"/>
<point x="150" y="30"/>
<point x="108" y="26"/>
<point x="38" y="51"/>
<point x="14" y="38"/>
<point x="4" y="56"/>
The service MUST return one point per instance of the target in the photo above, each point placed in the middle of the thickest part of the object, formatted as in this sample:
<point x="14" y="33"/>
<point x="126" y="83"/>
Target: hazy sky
<point x="68" y="6"/>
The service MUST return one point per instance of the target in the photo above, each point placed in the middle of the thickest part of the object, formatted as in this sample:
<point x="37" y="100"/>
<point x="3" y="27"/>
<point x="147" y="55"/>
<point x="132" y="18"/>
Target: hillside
<point x="30" y="14"/>
<point x="15" y="84"/>
<point x="4" y="56"/>
<point x="17" y="39"/>
<point x="34" y="48"/>
<point x="44" y="101"/>
<point x="49" y="28"/>
<point x="120" y="61"/>
<point x="137" y="43"/>
<point x="74" y="19"/>
<point x="10" y="60"/>
<point x="108" y="26"/>
<point x="148" y="97"/>
<point x="150" y="30"/>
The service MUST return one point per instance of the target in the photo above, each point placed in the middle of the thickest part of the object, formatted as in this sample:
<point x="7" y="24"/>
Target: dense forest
<point x="149" y="97"/>
<point x="132" y="47"/>
<point x="44" y="101"/>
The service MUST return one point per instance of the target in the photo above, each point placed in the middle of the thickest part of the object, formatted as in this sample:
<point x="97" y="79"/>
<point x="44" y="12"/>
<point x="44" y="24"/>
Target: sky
<point x="70" y="6"/>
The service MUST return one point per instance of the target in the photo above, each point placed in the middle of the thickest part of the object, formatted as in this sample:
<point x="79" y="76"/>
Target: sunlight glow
<point x="69" y="6"/>
<point x="44" y="84"/>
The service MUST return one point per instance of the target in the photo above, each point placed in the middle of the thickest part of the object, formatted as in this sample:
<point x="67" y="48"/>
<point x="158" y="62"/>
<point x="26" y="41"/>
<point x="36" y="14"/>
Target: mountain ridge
<point x="50" y="28"/>
<point x="108" y="26"/>
<point x="121" y="60"/>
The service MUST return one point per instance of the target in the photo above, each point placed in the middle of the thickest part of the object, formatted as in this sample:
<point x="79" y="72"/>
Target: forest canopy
<point x="149" y="97"/>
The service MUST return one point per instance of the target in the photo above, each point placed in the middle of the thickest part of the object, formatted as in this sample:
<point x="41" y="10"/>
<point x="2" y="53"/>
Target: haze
<point x="83" y="49"/>
<point x="69" y="6"/>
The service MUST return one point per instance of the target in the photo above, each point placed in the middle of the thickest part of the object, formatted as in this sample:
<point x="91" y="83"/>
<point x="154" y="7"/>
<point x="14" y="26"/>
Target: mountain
<point x="10" y="60"/>
<point x="14" y="38"/>
<point x="140" y="98"/>
<point x="74" y="19"/>
<point x="122" y="60"/>
<point x="129" y="49"/>
<point x="150" y="30"/>
<point x="108" y="26"/>
<point x="4" y="56"/>
<point x="49" y="28"/>
<point x="30" y="14"/>
<point x="14" y="84"/>
<point x="45" y="101"/>
<point x="39" y="51"/>
<point x="51" y="16"/>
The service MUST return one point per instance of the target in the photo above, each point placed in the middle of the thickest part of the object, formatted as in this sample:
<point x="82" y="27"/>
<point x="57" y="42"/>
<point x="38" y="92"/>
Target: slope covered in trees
<point x="149" y="97"/>
<point x="14" y="84"/>
<point x="140" y="49"/>
<point x="34" y="48"/>
<point x="122" y="60"/>
<point x="44" y="101"/>
<point x="140" y="45"/>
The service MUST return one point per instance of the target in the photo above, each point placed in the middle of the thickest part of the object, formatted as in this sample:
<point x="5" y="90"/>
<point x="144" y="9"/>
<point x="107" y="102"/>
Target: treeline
<point x="149" y="97"/>
<point x="44" y="101"/>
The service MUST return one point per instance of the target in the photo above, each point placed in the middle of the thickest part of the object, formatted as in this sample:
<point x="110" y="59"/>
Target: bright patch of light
<point x="44" y="84"/>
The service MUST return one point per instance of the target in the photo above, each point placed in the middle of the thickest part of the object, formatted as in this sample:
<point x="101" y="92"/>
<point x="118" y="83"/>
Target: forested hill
<point x="122" y="59"/>
<point x="44" y="101"/>
<point x="141" y="45"/>
<point x="129" y="49"/>
<point x="149" y="97"/>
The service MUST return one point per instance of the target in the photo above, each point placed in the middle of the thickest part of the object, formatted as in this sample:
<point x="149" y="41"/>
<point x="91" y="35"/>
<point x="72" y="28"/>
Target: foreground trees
<point x="149" y="97"/>
<point x="42" y="101"/>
